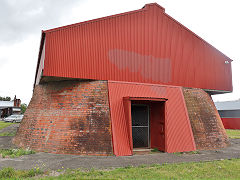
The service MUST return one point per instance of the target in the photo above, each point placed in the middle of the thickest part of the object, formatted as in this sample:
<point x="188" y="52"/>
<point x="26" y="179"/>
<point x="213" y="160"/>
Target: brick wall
<point x="208" y="130"/>
<point x="68" y="117"/>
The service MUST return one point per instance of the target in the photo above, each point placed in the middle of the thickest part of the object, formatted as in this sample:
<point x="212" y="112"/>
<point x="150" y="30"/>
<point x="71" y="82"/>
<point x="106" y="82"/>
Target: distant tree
<point x="23" y="108"/>
<point x="7" y="98"/>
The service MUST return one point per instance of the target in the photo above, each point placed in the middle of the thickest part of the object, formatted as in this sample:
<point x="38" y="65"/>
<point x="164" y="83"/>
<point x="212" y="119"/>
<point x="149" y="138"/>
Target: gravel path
<point x="5" y="141"/>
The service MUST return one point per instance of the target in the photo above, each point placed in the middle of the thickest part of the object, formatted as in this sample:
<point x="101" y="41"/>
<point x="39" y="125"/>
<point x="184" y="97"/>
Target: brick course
<point x="68" y="117"/>
<point x="207" y="127"/>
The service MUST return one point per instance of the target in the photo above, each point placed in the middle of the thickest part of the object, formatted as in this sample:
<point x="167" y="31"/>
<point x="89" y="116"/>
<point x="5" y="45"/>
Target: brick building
<point x="133" y="80"/>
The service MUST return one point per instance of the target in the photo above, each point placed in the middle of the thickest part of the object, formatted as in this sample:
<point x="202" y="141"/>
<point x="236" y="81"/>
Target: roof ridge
<point x="99" y="19"/>
<point x="154" y="4"/>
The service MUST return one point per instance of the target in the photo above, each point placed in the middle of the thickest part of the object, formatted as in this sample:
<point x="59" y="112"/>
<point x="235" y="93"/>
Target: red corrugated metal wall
<point x="145" y="46"/>
<point x="231" y="123"/>
<point x="178" y="132"/>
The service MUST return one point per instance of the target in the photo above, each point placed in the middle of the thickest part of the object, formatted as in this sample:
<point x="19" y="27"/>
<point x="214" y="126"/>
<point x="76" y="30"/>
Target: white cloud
<point x="26" y="17"/>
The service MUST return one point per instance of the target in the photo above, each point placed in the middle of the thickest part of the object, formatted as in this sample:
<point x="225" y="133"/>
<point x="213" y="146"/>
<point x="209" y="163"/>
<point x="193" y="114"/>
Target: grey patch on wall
<point x="148" y="66"/>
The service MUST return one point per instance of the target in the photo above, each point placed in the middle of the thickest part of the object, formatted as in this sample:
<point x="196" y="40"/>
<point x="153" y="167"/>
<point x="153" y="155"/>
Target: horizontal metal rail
<point x="140" y="126"/>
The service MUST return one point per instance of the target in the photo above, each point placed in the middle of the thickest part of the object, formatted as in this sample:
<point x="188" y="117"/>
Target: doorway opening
<point x="140" y="125"/>
<point x="148" y="124"/>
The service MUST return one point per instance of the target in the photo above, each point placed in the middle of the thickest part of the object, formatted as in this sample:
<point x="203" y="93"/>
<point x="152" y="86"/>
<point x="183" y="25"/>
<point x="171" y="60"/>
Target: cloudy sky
<point x="21" y="22"/>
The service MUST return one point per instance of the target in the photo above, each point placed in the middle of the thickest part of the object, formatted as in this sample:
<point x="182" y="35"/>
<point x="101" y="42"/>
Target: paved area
<point x="5" y="143"/>
<point x="58" y="161"/>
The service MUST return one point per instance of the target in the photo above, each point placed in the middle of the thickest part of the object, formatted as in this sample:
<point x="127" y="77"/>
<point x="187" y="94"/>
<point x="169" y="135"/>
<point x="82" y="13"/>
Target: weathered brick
<point x="207" y="127"/>
<point x="68" y="117"/>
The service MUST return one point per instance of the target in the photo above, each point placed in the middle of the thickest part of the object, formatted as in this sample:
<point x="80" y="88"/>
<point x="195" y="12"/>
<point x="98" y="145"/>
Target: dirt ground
<point x="49" y="161"/>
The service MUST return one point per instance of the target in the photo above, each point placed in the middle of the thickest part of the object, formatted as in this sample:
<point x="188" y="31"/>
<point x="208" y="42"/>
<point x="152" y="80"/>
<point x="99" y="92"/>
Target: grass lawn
<point x="234" y="134"/>
<point x="14" y="152"/>
<point x="10" y="173"/>
<point x="8" y="134"/>
<point x="4" y="124"/>
<point x="225" y="169"/>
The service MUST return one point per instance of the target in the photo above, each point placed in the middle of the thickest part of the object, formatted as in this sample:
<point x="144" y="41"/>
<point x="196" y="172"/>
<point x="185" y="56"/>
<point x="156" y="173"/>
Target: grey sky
<point x="26" y="17"/>
<point x="21" y="22"/>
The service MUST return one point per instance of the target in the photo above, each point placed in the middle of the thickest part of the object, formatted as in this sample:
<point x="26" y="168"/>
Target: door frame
<point x="127" y="100"/>
<point x="148" y="117"/>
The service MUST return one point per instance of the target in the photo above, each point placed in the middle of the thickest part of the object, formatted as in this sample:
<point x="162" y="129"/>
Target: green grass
<point x="8" y="134"/>
<point x="4" y="124"/>
<point x="12" y="153"/>
<point x="10" y="173"/>
<point x="234" y="134"/>
<point x="225" y="169"/>
<point x="155" y="150"/>
<point x="188" y="152"/>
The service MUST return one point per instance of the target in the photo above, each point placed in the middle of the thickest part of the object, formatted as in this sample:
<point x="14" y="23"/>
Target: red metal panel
<point x="127" y="112"/>
<point x="146" y="46"/>
<point x="179" y="136"/>
<point x="231" y="123"/>
<point x="157" y="122"/>
<point x="178" y="129"/>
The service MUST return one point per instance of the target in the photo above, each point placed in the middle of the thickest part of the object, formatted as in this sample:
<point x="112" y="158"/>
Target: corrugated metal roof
<point x="145" y="45"/>
<point x="6" y="103"/>
<point x="228" y="105"/>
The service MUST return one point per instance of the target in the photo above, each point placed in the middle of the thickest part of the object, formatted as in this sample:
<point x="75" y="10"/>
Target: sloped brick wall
<point x="68" y="117"/>
<point x="207" y="127"/>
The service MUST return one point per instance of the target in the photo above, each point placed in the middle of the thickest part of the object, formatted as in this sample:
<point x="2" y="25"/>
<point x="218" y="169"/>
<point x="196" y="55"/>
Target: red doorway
<point x="154" y="135"/>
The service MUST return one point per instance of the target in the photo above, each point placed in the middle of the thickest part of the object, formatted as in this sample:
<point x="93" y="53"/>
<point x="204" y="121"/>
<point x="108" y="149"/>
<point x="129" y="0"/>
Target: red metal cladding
<point x="178" y="132"/>
<point x="145" y="45"/>
<point x="231" y="123"/>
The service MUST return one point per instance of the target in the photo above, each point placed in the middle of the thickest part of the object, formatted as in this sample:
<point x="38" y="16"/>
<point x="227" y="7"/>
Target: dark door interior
<point x="140" y="125"/>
